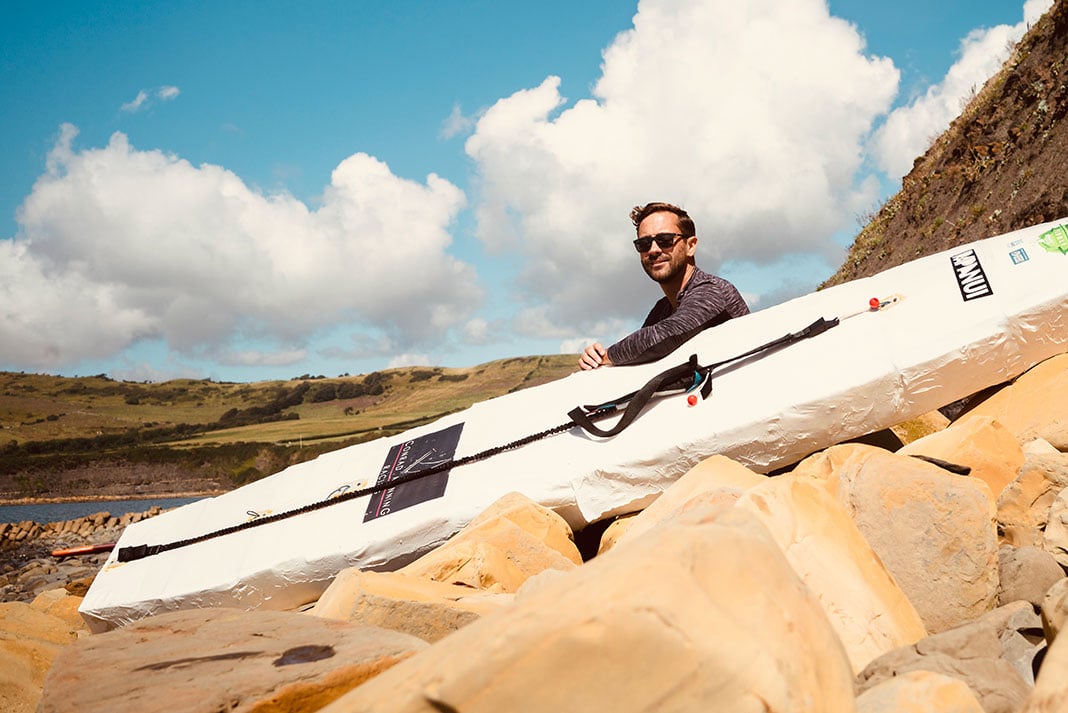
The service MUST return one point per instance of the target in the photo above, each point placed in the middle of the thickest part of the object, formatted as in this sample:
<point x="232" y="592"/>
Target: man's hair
<point x="640" y="212"/>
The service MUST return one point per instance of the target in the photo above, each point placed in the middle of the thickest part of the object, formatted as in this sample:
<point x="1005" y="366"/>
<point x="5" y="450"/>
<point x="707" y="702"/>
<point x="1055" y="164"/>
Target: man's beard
<point x="676" y="269"/>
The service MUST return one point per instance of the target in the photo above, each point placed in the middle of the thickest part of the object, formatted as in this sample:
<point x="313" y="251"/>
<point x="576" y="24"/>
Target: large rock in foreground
<point x="221" y="660"/>
<point x="1033" y="405"/>
<point x="919" y="692"/>
<point x="715" y="478"/>
<point x="933" y="530"/>
<point x="865" y="606"/>
<point x="423" y="608"/>
<point x="1024" y="505"/>
<point x="511" y="541"/>
<point x="31" y="637"/>
<point x="695" y="615"/>
<point x="976" y="653"/>
<point x="987" y="448"/>
<point x="1050" y="694"/>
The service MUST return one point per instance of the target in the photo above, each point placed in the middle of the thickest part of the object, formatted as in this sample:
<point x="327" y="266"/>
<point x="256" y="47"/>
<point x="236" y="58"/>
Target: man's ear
<point x="691" y="246"/>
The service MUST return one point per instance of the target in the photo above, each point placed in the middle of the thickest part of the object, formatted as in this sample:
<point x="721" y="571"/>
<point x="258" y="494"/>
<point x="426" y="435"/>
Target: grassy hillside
<point x="67" y="436"/>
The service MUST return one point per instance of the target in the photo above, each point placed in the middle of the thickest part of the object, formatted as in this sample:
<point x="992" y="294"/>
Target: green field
<point x="52" y="427"/>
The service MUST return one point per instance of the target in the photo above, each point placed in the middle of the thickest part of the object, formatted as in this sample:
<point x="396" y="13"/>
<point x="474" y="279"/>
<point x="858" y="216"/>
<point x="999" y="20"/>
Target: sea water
<point x="58" y="512"/>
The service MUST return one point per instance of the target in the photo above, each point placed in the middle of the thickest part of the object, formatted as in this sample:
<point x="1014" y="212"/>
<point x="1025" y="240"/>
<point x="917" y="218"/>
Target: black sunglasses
<point x="664" y="241"/>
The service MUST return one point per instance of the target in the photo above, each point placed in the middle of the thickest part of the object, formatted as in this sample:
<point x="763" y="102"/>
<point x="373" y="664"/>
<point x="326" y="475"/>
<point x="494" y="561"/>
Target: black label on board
<point x="413" y="456"/>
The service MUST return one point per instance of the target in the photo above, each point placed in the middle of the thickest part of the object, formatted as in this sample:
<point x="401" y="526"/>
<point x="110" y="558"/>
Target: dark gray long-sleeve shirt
<point x="705" y="301"/>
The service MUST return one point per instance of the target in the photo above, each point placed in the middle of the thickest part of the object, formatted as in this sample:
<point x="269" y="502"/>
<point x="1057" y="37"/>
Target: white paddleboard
<point x="950" y="324"/>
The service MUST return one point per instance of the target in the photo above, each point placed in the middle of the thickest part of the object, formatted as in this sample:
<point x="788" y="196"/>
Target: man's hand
<point x="594" y="356"/>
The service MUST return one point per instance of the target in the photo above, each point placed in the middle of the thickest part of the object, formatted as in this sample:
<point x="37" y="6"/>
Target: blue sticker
<point x="1019" y="256"/>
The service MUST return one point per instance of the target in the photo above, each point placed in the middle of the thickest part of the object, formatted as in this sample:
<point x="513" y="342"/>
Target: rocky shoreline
<point x="27" y="567"/>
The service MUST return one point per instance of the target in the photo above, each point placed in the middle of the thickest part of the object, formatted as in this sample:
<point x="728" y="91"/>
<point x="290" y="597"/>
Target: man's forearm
<point x="649" y="344"/>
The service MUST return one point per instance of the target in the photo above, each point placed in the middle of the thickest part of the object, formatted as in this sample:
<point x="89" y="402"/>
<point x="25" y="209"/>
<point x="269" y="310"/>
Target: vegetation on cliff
<point x="999" y="167"/>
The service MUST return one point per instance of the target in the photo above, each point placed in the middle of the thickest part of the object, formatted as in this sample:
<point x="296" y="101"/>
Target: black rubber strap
<point x="673" y="378"/>
<point x="680" y="377"/>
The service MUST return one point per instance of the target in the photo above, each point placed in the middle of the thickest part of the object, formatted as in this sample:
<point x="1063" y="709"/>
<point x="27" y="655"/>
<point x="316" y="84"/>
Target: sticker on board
<point x="412" y="456"/>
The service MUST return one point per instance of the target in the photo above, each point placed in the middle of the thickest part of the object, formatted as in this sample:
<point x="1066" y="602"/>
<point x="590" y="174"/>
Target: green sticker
<point x="1055" y="240"/>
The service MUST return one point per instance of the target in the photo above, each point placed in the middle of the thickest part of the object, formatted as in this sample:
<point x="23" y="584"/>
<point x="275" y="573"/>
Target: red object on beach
<point x="84" y="550"/>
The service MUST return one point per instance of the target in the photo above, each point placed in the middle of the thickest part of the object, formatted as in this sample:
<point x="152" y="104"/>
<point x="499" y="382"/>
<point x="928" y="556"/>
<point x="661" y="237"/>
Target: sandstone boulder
<point x="1034" y="405"/>
<point x="615" y="531"/>
<point x="972" y="653"/>
<point x="1055" y="610"/>
<point x="1050" y="694"/>
<point x="1024" y="505"/>
<point x="30" y="640"/>
<point x="716" y="474"/>
<point x="863" y="603"/>
<point x="919" y="692"/>
<point x="1026" y="574"/>
<point x="1055" y="536"/>
<point x="716" y="498"/>
<point x="991" y="451"/>
<point x="537" y="583"/>
<point x="1022" y="641"/>
<point x="79" y="586"/>
<point x="512" y="540"/>
<point x="423" y="608"/>
<point x="712" y="472"/>
<point x="221" y="659"/>
<point x="1038" y="447"/>
<point x="694" y="615"/>
<point x="933" y="530"/>
<point x="62" y="605"/>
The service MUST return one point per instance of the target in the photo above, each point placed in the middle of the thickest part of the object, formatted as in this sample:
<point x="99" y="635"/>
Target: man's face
<point x="663" y="265"/>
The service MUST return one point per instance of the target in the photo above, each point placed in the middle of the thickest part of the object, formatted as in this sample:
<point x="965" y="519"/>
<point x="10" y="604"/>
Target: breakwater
<point x="27" y="567"/>
<point x="80" y="528"/>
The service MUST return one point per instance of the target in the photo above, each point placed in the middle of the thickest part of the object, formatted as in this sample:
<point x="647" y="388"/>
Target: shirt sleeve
<point x="701" y="307"/>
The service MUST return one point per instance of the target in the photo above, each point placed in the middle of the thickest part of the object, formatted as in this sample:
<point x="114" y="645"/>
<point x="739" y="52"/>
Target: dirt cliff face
<point x="1002" y="165"/>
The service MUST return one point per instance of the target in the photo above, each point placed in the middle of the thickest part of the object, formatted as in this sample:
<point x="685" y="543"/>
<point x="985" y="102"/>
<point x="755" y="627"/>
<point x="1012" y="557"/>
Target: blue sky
<point x="255" y="190"/>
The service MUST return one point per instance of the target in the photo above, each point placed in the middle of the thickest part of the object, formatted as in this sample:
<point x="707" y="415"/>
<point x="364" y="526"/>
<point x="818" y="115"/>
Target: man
<point x="693" y="300"/>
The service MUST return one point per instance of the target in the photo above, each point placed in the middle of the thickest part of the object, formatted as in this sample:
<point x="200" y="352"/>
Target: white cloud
<point x="118" y="245"/>
<point x="51" y="316"/>
<point x="125" y="370"/>
<point x="1034" y="9"/>
<point x="576" y="345"/>
<point x="137" y="103"/>
<point x="362" y="345"/>
<point x="456" y="124"/>
<point x="751" y="115"/>
<point x="143" y="100"/>
<point x="409" y="360"/>
<point x="480" y="331"/>
<point x="908" y="131"/>
<point x="253" y="357"/>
